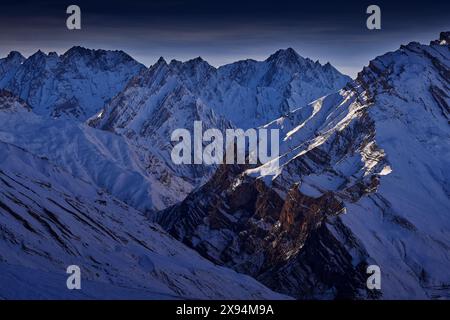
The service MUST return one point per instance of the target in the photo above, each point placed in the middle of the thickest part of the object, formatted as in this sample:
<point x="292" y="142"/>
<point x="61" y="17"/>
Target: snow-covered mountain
<point x="49" y="220"/>
<point x="247" y="93"/>
<point x="253" y="93"/>
<point x="9" y="66"/>
<point x="134" y="163"/>
<point x="75" y="84"/>
<point x="173" y="95"/>
<point x="364" y="179"/>
<point x="134" y="175"/>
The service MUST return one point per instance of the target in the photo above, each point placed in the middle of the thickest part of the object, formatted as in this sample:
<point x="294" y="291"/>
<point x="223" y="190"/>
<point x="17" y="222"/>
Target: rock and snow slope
<point x="244" y="94"/>
<point x="247" y="93"/>
<point x="135" y="164"/>
<point x="50" y="220"/>
<point x="364" y="179"/>
<point x="104" y="159"/>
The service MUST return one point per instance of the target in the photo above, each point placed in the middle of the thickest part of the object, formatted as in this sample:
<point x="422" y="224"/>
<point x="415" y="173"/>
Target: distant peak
<point x="76" y="50"/>
<point x="174" y="62"/>
<point x="288" y="54"/>
<point x="161" y="64"/>
<point x="82" y="51"/>
<point x="15" y="55"/>
<point x="196" y="60"/>
<point x="38" y="54"/>
<point x="328" y="66"/>
<point x="444" y="38"/>
<point x="160" y="61"/>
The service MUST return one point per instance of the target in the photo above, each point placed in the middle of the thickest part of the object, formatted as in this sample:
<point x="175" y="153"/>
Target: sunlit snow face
<point x="223" y="31"/>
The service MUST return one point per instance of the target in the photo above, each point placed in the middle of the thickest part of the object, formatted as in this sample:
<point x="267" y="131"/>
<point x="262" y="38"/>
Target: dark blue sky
<point x="223" y="31"/>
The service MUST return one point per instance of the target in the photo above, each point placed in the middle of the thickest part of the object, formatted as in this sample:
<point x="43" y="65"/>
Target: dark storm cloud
<point x="223" y="31"/>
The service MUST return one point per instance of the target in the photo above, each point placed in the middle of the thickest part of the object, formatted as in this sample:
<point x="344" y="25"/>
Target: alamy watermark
<point x="73" y="281"/>
<point x="73" y="21"/>
<point x="374" y="280"/>
<point x="374" y="20"/>
<point x="251" y="146"/>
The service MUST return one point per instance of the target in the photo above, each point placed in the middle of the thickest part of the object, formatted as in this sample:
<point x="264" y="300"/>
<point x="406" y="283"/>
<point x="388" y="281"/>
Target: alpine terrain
<point x="87" y="179"/>
<point x="364" y="179"/>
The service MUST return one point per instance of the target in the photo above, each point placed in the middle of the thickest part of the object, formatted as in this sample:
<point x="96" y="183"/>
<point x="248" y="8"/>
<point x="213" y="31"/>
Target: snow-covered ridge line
<point x="50" y="220"/>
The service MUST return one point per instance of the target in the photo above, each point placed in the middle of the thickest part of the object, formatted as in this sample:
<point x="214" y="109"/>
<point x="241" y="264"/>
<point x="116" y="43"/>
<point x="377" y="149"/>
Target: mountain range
<point x="86" y="177"/>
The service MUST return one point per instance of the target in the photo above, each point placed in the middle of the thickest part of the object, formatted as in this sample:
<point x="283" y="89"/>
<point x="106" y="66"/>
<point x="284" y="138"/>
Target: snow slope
<point x="173" y="95"/>
<point x="50" y="220"/>
<point x="247" y="93"/>
<point x="104" y="159"/>
<point x="364" y="179"/>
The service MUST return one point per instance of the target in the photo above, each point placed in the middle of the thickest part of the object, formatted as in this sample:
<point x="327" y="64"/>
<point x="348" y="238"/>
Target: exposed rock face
<point x="357" y="169"/>
<point x="363" y="177"/>
<point x="279" y="235"/>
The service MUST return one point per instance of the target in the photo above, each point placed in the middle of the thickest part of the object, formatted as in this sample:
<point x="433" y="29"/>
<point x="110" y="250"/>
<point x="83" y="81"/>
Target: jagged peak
<point x="382" y="72"/>
<point x="37" y="55"/>
<point x="161" y="61"/>
<point x="328" y="66"/>
<point x="198" y="62"/>
<point x="15" y="55"/>
<point x="175" y="62"/>
<point x="444" y="39"/>
<point x="77" y="50"/>
<point x="82" y="51"/>
<point x="288" y="54"/>
<point x="445" y="36"/>
<point x="159" y="65"/>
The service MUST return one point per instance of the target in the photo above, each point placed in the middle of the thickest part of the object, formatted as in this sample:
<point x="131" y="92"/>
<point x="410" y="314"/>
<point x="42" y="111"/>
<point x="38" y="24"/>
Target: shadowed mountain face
<point x="64" y="184"/>
<point x="364" y="179"/>
<point x="143" y="115"/>
<point x="50" y="219"/>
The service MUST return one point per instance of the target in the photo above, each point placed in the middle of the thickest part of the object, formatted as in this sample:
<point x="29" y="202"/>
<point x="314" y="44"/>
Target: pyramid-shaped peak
<point x="38" y="54"/>
<point x="160" y="61"/>
<point x="288" y="54"/>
